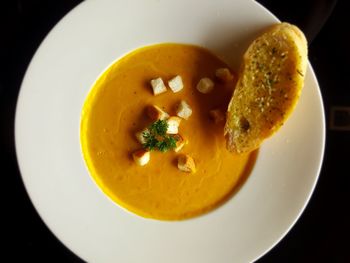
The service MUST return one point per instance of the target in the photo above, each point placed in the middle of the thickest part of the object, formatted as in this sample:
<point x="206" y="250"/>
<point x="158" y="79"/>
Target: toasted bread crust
<point x="269" y="85"/>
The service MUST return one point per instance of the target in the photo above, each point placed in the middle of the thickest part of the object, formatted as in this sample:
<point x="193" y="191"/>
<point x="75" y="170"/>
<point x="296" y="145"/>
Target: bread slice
<point x="269" y="85"/>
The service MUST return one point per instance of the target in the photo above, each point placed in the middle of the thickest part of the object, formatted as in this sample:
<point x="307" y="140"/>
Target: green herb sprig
<point x="157" y="138"/>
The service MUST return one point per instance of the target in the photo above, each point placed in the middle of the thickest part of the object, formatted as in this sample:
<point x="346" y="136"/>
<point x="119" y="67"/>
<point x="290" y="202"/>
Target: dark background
<point x="322" y="232"/>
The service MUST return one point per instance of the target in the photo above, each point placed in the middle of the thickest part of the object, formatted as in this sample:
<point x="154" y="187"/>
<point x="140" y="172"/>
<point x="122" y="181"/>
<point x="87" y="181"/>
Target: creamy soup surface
<point x="115" y="110"/>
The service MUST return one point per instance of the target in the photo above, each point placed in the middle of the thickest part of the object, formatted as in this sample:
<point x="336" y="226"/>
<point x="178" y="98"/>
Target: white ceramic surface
<point x="57" y="81"/>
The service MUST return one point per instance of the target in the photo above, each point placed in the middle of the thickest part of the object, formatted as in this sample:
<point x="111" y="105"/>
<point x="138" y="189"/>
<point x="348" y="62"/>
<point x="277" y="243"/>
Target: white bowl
<point x="57" y="81"/>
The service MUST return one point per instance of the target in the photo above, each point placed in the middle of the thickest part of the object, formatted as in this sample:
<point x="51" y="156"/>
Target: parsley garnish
<point x="159" y="128"/>
<point x="157" y="139"/>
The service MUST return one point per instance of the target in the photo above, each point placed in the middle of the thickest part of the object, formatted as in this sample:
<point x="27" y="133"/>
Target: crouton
<point x="185" y="163"/>
<point x="175" y="84"/>
<point x="205" y="85"/>
<point x="180" y="142"/>
<point x="155" y="113"/>
<point x="158" y="86"/>
<point x="173" y="124"/>
<point x="224" y="75"/>
<point x="141" y="157"/>
<point x="184" y="110"/>
<point x="139" y="136"/>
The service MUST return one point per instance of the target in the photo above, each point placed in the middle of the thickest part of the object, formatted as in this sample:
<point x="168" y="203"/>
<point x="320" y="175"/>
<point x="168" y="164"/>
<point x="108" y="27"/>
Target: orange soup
<point x="115" y="110"/>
